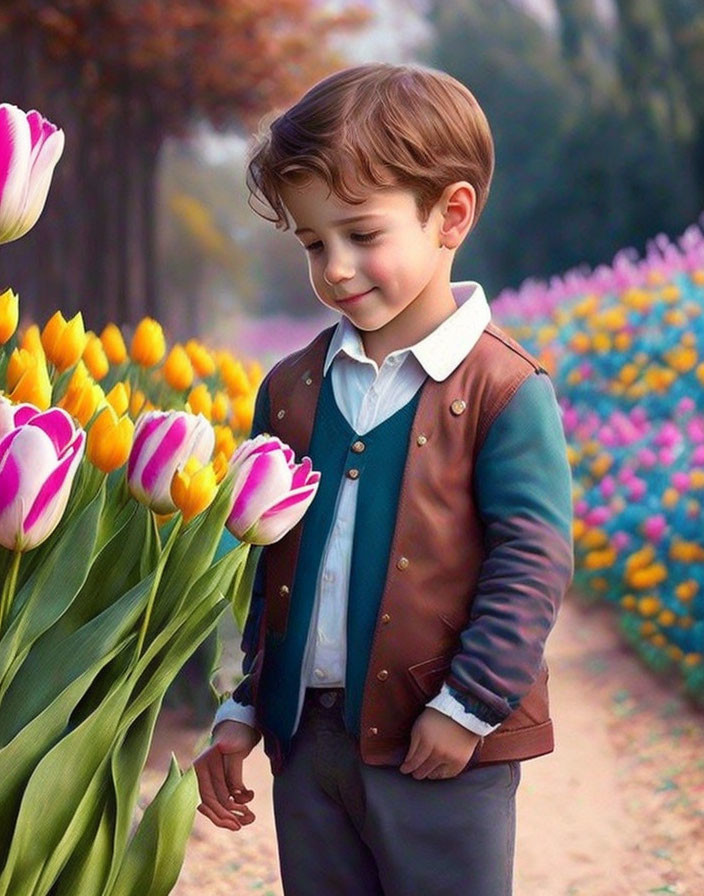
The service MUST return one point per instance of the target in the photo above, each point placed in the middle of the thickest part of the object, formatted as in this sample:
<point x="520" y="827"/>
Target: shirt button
<point x="382" y="674"/>
<point x="319" y="673"/>
<point x="358" y="447"/>
<point x="402" y="563"/>
<point x="328" y="576"/>
<point x="353" y="474"/>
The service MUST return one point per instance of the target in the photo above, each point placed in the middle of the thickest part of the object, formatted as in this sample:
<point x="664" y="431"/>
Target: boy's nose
<point x="337" y="269"/>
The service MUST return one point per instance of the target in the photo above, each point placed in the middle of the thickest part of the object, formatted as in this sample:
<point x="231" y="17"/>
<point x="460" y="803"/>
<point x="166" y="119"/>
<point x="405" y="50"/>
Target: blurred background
<point x="597" y="108"/>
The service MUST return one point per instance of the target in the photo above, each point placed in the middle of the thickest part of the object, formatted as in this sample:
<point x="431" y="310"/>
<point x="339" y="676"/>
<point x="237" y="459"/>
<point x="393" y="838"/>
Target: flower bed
<point x="625" y="347"/>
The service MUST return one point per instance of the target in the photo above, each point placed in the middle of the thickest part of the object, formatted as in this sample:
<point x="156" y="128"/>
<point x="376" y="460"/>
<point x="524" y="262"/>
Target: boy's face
<point x="369" y="261"/>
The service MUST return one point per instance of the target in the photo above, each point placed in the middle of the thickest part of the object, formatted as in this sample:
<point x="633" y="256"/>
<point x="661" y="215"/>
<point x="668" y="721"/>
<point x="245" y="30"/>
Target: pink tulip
<point x="271" y="491"/>
<point x="30" y="147"/>
<point x="38" y="461"/>
<point x="14" y="415"/>
<point x="163" y="442"/>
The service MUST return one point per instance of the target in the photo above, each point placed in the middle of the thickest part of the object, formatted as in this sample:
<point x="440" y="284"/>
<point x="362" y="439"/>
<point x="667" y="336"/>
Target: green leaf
<point x="50" y="589"/>
<point x="151" y="546"/>
<point x="241" y="594"/>
<point x="20" y="756"/>
<point x="62" y="792"/>
<point x="155" y="854"/>
<point x="86" y="871"/>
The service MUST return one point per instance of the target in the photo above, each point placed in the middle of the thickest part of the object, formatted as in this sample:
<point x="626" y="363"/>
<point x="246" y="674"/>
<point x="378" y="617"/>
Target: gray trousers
<point x="345" y="828"/>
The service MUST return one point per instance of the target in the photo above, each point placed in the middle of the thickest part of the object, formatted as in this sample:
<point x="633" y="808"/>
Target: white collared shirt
<point x="367" y="395"/>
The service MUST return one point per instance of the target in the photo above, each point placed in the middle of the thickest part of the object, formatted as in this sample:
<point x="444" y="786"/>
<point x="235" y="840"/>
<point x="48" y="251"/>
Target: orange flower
<point x="114" y="344"/>
<point x="148" y="344"/>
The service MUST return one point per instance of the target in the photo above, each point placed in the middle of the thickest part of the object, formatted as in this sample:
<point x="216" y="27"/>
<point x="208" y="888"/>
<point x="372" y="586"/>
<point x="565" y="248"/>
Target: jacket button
<point x="402" y="563"/>
<point x="281" y="414"/>
<point x="458" y="407"/>
<point x="353" y="474"/>
<point x="372" y="731"/>
<point x="382" y="674"/>
<point x="386" y="618"/>
<point x="358" y="447"/>
<point x="309" y="381"/>
<point x="421" y="440"/>
<point x="284" y="591"/>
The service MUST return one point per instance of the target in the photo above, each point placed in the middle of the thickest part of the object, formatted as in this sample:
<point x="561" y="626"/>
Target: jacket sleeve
<point x="240" y="705"/>
<point x="523" y="490"/>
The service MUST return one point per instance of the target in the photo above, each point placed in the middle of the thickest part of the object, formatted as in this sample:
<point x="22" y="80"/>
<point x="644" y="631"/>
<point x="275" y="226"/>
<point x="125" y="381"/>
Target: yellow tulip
<point x="234" y="376"/>
<point x="32" y="341"/>
<point x="109" y="440"/>
<point x="202" y="360"/>
<point x="178" y="370"/>
<point x="148" y="344"/>
<point x="137" y="403"/>
<point x="83" y="396"/>
<point x="95" y="358"/>
<point x="200" y="401"/>
<point x="114" y="344"/>
<point x="64" y="341"/>
<point x="193" y="488"/>
<point x="220" y="465"/>
<point x="224" y="441"/>
<point x="221" y="406"/>
<point x="600" y="559"/>
<point x="119" y="398"/>
<point x="692" y="659"/>
<point x="647" y="576"/>
<point x="9" y="315"/>
<point x="27" y="379"/>
<point x="242" y="412"/>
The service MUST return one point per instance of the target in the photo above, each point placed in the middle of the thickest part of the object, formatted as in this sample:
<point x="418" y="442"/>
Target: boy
<point x="394" y="645"/>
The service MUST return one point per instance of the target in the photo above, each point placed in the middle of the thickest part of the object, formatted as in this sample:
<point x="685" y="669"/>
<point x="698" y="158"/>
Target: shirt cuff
<point x="232" y="711"/>
<point x="446" y="703"/>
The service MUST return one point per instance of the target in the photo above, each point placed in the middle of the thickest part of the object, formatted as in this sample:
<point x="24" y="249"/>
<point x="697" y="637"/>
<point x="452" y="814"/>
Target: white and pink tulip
<point x="163" y="442"/>
<point x="271" y="491"/>
<point x="30" y="147"/>
<point x="39" y="457"/>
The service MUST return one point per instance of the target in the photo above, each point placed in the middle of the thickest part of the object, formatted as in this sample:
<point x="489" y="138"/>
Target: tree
<point x="120" y="76"/>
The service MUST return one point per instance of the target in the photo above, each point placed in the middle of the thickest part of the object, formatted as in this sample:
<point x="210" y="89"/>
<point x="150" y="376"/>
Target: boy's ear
<point x="457" y="204"/>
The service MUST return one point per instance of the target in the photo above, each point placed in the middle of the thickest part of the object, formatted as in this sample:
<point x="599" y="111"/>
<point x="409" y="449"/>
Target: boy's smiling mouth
<point x="343" y="300"/>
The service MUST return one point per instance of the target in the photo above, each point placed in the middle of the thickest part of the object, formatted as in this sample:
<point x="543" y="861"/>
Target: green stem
<point x="150" y="602"/>
<point x="8" y="589"/>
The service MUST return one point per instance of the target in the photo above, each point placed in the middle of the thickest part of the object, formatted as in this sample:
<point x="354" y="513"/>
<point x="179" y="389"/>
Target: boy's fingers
<point x="229" y="822"/>
<point x="232" y="770"/>
<point x="226" y="812"/>
<point x="415" y="757"/>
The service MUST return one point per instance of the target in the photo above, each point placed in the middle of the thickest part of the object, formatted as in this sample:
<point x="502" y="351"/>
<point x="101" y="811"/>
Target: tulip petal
<point x="301" y="473"/>
<point x="40" y="179"/>
<point x="10" y="480"/>
<point x="53" y="486"/>
<point x="281" y="518"/>
<point x="168" y="446"/>
<point x="57" y="424"/>
<point x="15" y="149"/>
<point x="259" y="483"/>
<point x="6" y="443"/>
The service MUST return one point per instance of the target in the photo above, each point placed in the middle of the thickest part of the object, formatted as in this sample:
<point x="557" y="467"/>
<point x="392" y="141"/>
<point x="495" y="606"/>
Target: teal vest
<point x="335" y="451"/>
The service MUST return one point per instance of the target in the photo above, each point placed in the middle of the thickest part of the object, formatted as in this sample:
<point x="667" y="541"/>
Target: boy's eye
<point x="365" y="237"/>
<point x="313" y="247"/>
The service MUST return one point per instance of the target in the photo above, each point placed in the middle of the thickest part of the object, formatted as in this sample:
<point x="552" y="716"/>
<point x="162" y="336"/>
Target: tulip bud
<point x="109" y="440"/>
<point x="137" y="403"/>
<point x="270" y="491"/>
<point x="114" y="344"/>
<point x="178" y="370"/>
<point x="32" y="341"/>
<point x="64" y="341"/>
<point x="94" y="357"/>
<point x="242" y="413"/>
<point x="148" y="345"/>
<point x="193" y="488"/>
<point x="27" y="379"/>
<point x="234" y="376"/>
<point x="221" y="406"/>
<point x="224" y="441"/>
<point x="163" y="442"/>
<point x="83" y="396"/>
<point x="200" y="401"/>
<point x="9" y="315"/>
<point x="31" y="148"/>
<point x="119" y="398"/>
<point x="201" y="359"/>
<point x="221" y="465"/>
<point x="38" y="461"/>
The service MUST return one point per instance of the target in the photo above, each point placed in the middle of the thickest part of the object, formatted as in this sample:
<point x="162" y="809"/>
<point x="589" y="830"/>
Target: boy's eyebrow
<point x="341" y="221"/>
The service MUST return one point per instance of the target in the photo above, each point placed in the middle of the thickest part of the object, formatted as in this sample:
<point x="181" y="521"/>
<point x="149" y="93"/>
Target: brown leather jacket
<point x="436" y="558"/>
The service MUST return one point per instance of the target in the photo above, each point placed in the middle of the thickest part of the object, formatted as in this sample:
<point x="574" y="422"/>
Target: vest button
<point x="358" y="447"/>
<point x="382" y="674"/>
<point x="281" y="414"/>
<point x="372" y="731"/>
<point x="458" y="407"/>
<point x="353" y="474"/>
<point x="284" y="591"/>
<point x="386" y="618"/>
<point x="421" y="440"/>
<point x="402" y="563"/>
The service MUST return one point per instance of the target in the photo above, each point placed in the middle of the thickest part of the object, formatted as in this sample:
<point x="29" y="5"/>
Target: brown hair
<point x="376" y="125"/>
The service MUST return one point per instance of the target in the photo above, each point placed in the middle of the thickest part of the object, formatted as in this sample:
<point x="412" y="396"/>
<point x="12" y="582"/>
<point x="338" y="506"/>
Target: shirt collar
<point x="440" y="352"/>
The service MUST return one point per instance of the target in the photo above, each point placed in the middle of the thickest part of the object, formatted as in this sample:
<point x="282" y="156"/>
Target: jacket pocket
<point x="429" y="675"/>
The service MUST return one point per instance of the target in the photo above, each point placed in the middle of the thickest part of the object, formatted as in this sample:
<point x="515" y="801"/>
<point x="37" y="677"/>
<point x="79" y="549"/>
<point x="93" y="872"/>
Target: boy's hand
<point x="440" y="747"/>
<point x="219" y="773"/>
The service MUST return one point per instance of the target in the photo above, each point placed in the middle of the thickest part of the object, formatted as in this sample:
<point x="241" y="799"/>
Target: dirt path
<point x="617" y="810"/>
